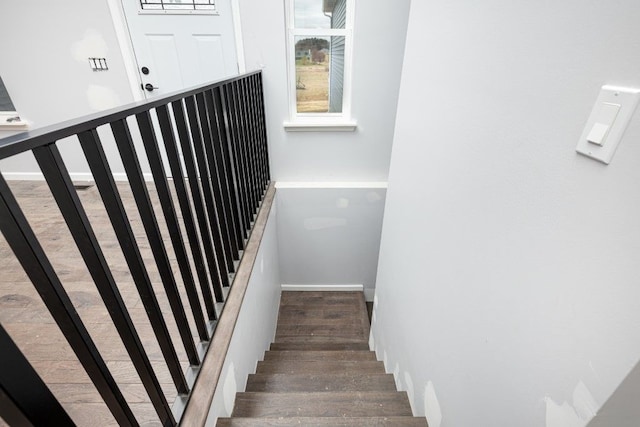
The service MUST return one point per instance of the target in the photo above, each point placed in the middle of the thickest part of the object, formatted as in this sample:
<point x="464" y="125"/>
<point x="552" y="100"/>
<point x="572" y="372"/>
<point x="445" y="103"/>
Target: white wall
<point x="507" y="290"/>
<point x="329" y="157"/>
<point x="330" y="236"/>
<point x="45" y="67"/>
<point x="363" y="155"/>
<point x="256" y="326"/>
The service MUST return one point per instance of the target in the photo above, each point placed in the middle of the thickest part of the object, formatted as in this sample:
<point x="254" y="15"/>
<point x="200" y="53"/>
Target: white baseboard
<point x="75" y="176"/>
<point x="323" y="288"/>
<point x="23" y="176"/>
<point x="318" y="184"/>
<point x="369" y="293"/>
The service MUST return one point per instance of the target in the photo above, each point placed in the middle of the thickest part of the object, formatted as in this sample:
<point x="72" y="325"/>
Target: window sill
<point x="320" y="126"/>
<point x="13" y="125"/>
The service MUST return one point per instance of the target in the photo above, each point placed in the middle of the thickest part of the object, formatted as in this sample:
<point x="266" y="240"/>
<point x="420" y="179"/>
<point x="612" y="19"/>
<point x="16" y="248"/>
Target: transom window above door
<point x="177" y="6"/>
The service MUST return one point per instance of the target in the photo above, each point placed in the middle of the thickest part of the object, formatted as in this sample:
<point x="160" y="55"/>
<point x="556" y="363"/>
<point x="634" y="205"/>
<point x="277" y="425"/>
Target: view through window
<point x="319" y="48"/>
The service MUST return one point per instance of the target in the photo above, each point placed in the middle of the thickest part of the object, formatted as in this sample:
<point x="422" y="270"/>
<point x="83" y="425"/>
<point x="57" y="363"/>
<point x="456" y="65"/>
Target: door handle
<point x="150" y="87"/>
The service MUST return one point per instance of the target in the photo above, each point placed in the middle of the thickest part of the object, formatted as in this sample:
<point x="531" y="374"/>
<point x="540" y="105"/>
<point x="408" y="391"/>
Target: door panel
<point x="163" y="62"/>
<point x="177" y="51"/>
<point x="182" y="50"/>
<point x="210" y="51"/>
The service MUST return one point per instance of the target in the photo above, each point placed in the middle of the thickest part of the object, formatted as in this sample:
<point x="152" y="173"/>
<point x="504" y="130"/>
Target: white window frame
<point x="319" y="121"/>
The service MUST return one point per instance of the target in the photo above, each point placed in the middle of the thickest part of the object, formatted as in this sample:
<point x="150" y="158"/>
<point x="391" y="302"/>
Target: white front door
<point x="180" y="48"/>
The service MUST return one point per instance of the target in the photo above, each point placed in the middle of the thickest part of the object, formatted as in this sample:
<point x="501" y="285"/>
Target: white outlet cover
<point x="628" y="99"/>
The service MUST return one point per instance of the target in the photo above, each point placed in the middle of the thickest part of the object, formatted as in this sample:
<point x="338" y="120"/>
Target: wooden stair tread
<point x="320" y="404"/>
<point x="320" y="370"/>
<point x="398" y="421"/>
<point x="300" y="355"/>
<point x="317" y="298"/>
<point x="320" y="346"/>
<point x="309" y="311"/>
<point x="330" y="330"/>
<point x="320" y="382"/>
<point x="339" y="321"/>
<point x="319" y="367"/>
<point x="325" y="339"/>
<point x="334" y="314"/>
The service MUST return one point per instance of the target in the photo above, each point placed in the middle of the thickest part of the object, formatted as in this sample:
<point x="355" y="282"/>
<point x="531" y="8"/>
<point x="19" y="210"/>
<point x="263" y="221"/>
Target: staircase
<point x="320" y="372"/>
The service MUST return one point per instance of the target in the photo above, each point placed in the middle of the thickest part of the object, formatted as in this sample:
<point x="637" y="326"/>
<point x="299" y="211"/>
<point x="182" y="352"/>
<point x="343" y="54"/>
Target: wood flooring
<point x="320" y="372"/>
<point x="30" y="325"/>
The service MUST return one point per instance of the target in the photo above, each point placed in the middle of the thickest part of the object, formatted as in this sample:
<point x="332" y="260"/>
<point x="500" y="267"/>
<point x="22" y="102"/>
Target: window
<point x="9" y="119"/>
<point x="319" y="60"/>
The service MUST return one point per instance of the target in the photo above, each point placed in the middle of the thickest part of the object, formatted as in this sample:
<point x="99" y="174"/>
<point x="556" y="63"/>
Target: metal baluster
<point x="196" y="196"/>
<point x="236" y="152"/>
<point x="232" y="177"/>
<point x="244" y="154"/>
<point x="171" y="147"/>
<point x="260" y="142"/>
<point x="216" y="157"/>
<point x="264" y="126"/>
<point x="215" y="184"/>
<point x="97" y="159"/>
<point x="255" y="136"/>
<point x="24" y="398"/>
<point x="249" y="144"/>
<point x="55" y="172"/>
<point x="164" y="194"/>
<point x="141" y="196"/>
<point x="205" y="182"/>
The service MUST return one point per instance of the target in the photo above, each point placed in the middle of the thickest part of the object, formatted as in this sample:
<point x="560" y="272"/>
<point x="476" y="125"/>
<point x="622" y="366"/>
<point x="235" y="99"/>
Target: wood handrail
<point x="197" y="410"/>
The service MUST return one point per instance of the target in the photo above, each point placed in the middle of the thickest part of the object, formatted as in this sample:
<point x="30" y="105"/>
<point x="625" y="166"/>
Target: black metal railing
<point x="213" y="140"/>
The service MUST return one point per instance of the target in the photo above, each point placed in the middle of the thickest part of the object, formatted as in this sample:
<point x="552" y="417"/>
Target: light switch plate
<point x="628" y="99"/>
<point x="598" y="134"/>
